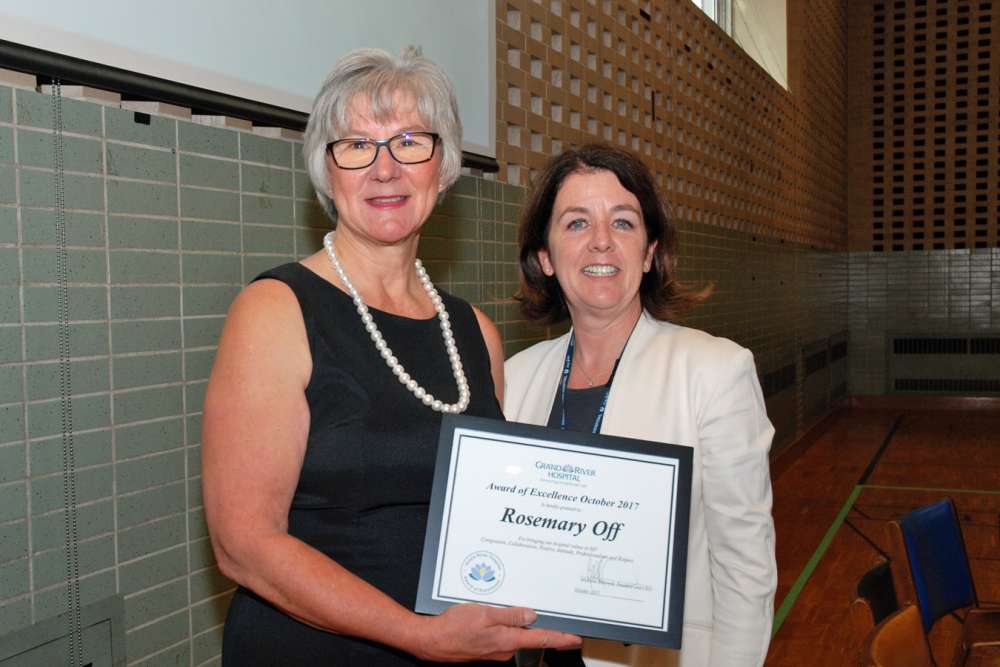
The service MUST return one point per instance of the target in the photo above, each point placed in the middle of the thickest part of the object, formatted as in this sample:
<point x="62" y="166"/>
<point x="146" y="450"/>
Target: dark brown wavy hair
<point x="541" y="297"/>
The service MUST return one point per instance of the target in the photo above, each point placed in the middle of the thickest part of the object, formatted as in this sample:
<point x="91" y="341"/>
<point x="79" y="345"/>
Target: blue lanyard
<point x="567" y="365"/>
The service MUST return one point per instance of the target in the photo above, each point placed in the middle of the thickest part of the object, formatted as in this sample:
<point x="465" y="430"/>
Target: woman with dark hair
<point x="598" y="248"/>
<point x="322" y="413"/>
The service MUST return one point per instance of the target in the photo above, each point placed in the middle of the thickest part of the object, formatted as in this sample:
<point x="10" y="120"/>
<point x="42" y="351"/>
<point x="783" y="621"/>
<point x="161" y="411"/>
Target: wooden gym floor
<point x="833" y="496"/>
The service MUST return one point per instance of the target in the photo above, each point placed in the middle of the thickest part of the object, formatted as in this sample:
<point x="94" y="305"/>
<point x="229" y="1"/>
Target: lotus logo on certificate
<point x="482" y="572"/>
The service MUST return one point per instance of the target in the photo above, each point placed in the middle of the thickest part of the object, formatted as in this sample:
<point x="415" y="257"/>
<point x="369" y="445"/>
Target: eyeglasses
<point x="405" y="148"/>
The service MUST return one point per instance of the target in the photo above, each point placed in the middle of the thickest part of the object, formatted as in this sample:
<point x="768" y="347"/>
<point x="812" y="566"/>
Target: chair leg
<point x="961" y="655"/>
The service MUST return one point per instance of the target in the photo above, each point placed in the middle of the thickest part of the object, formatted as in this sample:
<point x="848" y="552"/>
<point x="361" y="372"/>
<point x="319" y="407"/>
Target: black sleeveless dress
<point x="365" y="485"/>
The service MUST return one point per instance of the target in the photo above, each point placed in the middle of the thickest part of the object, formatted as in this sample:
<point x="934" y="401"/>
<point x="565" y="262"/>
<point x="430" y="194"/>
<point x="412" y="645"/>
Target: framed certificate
<point x="588" y="530"/>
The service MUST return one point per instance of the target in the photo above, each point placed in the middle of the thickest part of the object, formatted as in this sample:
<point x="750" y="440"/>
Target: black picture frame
<point x="430" y="601"/>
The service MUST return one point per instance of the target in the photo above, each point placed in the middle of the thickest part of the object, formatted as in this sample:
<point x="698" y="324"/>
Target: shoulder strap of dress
<point x="290" y="274"/>
<point x="297" y="277"/>
<point x="293" y="274"/>
<point x="466" y="328"/>
<point x="456" y="305"/>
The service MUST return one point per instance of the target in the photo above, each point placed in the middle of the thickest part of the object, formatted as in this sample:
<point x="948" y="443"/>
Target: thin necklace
<point x="590" y="380"/>
<point x="567" y="368"/>
<point x="383" y="348"/>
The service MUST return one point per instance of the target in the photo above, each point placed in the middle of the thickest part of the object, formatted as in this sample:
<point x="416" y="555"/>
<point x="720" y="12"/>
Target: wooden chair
<point x="898" y="641"/>
<point x="930" y="568"/>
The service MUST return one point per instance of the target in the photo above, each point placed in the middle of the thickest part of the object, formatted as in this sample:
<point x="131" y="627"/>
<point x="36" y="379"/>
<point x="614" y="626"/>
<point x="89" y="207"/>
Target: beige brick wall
<point x="923" y="143"/>
<point x="755" y="173"/>
<point x="731" y="148"/>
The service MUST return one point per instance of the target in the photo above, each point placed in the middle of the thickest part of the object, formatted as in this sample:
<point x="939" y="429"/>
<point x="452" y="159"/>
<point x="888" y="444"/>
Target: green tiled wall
<point x="781" y="300"/>
<point x="932" y="294"/>
<point x="166" y="221"/>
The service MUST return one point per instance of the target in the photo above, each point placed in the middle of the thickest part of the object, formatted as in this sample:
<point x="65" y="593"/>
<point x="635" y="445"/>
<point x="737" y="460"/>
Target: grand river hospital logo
<point x="564" y="471"/>
<point x="482" y="572"/>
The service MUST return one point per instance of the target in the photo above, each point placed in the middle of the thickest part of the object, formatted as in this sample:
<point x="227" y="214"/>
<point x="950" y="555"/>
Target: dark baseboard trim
<point x="911" y="402"/>
<point x="488" y="165"/>
<point x="75" y="71"/>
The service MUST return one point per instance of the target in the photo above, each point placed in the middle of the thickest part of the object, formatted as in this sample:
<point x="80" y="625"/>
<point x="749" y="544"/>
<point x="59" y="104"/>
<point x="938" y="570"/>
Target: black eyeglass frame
<point x="379" y="143"/>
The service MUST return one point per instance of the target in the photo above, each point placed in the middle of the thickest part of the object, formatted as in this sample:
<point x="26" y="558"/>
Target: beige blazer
<point x="686" y="387"/>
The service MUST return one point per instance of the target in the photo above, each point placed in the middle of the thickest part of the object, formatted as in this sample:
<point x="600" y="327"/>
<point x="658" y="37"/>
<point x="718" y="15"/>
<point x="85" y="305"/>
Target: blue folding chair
<point x="936" y="567"/>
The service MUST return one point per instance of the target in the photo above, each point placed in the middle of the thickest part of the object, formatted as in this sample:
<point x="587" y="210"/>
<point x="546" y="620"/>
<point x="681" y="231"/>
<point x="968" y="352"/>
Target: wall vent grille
<point x="839" y="390"/>
<point x="930" y="346"/>
<point x="940" y="385"/>
<point x="778" y="380"/>
<point x="815" y="362"/>
<point x="985" y="346"/>
<point x="989" y="345"/>
<point x="945" y="364"/>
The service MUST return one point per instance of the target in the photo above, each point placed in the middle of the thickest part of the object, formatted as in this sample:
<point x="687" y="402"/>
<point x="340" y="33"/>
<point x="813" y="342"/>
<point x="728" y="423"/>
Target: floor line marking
<point x="803" y="578"/>
<point x="881" y="450"/>
<point x="889" y="487"/>
<point x="789" y="601"/>
<point x="860" y="533"/>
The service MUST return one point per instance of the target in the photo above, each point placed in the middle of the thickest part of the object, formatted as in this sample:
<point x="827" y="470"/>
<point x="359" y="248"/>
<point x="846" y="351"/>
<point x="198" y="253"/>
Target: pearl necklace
<point x="383" y="348"/>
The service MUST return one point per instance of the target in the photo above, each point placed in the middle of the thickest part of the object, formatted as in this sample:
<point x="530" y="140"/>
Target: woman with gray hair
<point x="322" y="413"/>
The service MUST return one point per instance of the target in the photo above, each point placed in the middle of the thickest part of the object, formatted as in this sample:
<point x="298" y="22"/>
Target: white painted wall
<point x="761" y="28"/>
<point x="273" y="52"/>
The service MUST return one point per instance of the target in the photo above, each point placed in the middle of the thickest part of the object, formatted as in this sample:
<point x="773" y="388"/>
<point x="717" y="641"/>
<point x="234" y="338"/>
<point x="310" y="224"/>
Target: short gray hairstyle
<point x="377" y="76"/>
